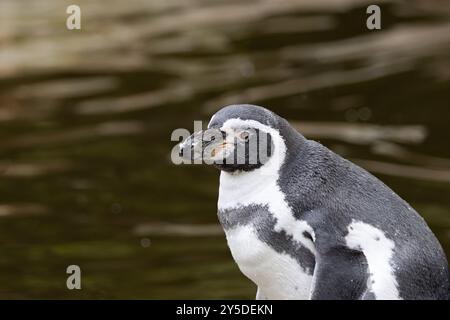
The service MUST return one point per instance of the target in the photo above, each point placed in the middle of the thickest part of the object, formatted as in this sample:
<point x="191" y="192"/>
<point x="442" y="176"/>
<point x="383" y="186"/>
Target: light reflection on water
<point x="86" y="117"/>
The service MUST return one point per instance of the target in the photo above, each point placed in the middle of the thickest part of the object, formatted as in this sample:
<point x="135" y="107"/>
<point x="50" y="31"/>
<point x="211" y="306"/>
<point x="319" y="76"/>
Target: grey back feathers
<point x="332" y="196"/>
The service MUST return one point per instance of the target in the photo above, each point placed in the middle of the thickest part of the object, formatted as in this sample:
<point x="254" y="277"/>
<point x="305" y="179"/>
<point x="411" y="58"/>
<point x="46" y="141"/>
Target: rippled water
<point x="86" y="118"/>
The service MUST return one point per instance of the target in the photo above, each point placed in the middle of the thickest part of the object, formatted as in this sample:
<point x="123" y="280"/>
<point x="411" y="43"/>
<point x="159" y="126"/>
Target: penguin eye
<point x="244" y="135"/>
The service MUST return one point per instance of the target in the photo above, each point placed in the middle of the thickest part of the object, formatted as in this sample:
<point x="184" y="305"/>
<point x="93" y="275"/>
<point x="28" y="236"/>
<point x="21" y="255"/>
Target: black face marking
<point x="264" y="223"/>
<point x="251" y="150"/>
<point x="265" y="146"/>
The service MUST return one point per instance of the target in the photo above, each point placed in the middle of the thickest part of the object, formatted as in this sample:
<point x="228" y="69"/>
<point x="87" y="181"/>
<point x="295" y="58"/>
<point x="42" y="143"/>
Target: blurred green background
<point x="86" y="118"/>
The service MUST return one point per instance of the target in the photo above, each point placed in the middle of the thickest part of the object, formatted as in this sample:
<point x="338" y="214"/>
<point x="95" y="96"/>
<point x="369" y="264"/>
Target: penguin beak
<point x="203" y="145"/>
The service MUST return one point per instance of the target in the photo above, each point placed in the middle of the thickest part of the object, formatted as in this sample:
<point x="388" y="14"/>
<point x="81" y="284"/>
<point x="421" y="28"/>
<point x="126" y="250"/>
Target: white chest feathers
<point x="277" y="274"/>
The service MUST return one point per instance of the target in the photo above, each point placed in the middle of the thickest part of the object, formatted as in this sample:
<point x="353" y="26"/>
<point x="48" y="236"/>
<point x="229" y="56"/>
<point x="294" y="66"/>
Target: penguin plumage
<point x="308" y="224"/>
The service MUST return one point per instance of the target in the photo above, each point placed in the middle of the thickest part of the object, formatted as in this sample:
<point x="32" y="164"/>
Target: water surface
<point x="86" y="118"/>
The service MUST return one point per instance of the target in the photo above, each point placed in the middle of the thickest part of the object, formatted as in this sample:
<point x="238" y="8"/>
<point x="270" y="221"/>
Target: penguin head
<point x="239" y="138"/>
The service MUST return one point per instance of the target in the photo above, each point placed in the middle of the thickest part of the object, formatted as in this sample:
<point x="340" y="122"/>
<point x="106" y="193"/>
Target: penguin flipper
<point x="340" y="274"/>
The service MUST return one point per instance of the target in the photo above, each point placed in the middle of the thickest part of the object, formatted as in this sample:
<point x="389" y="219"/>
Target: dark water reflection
<point x="86" y="118"/>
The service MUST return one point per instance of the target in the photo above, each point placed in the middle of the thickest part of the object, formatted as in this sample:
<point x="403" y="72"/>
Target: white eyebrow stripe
<point x="210" y="121"/>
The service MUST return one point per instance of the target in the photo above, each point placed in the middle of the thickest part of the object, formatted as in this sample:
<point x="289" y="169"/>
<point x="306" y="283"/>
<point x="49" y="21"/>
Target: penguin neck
<point x="245" y="187"/>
